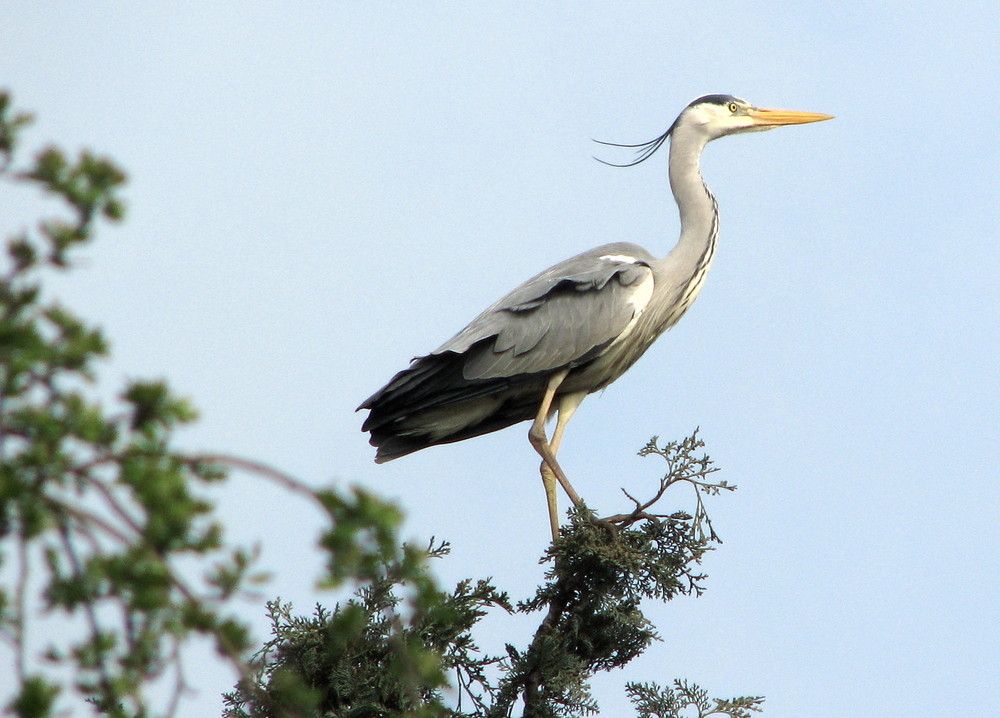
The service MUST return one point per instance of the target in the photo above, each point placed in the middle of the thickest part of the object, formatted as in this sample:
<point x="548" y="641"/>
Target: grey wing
<point x="565" y="316"/>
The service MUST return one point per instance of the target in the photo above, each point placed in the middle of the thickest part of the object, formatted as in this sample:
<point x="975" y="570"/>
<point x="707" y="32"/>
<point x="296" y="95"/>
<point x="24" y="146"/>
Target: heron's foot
<point x="623" y="521"/>
<point x="605" y="524"/>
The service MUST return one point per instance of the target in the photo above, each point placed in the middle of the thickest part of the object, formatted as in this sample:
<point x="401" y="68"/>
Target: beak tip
<point x="775" y="118"/>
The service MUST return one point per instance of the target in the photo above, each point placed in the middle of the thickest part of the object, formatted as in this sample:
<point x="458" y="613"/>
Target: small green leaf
<point x="36" y="699"/>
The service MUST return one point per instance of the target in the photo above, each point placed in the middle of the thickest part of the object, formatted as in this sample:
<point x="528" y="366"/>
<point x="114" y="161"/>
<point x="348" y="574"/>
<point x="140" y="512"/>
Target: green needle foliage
<point x="372" y="656"/>
<point x="345" y="662"/>
<point x="654" y="701"/>
<point x="113" y="559"/>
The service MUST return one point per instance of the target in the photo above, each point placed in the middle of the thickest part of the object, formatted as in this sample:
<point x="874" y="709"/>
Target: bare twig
<point x="261" y="469"/>
<point x="88" y="606"/>
<point x="110" y="498"/>
<point x="86" y="518"/>
<point x="20" y="628"/>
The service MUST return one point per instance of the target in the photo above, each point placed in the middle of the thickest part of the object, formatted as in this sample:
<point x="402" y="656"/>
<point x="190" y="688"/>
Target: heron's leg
<point x="551" y="498"/>
<point x="568" y="404"/>
<point x="536" y="435"/>
<point x="550" y="469"/>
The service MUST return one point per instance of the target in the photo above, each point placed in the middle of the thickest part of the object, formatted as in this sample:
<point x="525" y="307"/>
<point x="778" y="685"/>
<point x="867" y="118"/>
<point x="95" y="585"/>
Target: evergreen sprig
<point x="376" y="654"/>
<point x="654" y="701"/>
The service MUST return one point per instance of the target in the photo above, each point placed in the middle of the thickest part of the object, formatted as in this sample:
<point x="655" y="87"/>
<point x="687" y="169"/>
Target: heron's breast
<point x="660" y="308"/>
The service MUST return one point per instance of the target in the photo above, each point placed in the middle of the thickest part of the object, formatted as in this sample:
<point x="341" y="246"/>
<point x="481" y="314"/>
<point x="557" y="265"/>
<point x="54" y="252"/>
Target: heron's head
<point x="713" y="116"/>
<point x="720" y="115"/>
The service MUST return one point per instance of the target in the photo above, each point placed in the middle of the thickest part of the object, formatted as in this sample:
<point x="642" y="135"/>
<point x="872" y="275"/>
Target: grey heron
<point x="574" y="328"/>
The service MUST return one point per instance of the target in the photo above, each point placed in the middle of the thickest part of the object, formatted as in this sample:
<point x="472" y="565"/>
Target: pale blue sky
<point x="321" y="191"/>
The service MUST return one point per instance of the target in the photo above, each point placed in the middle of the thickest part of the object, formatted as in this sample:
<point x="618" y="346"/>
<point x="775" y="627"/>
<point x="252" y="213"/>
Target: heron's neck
<point x="699" y="213"/>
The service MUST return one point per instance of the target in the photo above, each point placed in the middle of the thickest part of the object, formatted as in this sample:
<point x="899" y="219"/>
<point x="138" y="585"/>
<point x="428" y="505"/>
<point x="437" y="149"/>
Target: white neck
<point x="694" y="200"/>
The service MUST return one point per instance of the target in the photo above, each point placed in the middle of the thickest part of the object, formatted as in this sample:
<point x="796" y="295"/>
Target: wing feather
<point x="562" y="317"/>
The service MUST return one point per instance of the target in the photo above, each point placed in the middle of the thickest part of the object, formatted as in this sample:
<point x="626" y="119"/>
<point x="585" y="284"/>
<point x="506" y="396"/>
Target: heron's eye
<point x="733" y="107"/>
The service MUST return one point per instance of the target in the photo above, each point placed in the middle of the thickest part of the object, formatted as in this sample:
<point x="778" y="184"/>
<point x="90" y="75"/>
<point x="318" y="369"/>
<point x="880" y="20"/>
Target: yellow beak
<point x="772" y="118"/>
